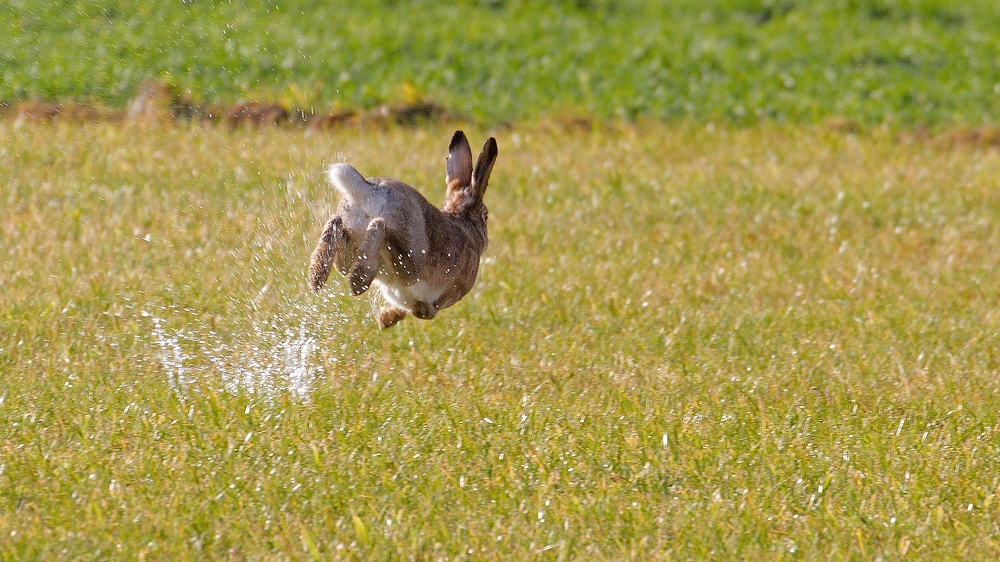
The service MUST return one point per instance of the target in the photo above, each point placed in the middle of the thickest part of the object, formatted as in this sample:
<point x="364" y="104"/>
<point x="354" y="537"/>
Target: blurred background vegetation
<point x="739" y="61"/>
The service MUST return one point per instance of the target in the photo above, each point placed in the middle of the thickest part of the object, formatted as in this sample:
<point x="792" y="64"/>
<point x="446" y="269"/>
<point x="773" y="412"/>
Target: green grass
<point x="759" y="343"/>
<point x="738" y="61"/>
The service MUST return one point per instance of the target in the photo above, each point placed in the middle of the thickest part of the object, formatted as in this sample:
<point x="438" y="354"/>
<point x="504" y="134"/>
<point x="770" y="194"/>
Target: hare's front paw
<point x="361" y="278"/>
<point x="364" y="271"/>
<point x="336" y="235"/>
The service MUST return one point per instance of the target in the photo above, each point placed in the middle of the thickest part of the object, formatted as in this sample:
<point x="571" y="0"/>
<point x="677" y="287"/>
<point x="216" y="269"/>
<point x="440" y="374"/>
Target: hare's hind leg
<point x="366" y="267"/>
<point x="330" y="250"/>
<point x="389" y="315"/>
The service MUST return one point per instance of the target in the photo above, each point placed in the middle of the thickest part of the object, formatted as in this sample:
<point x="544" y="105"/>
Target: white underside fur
<point x="405" y="297"/>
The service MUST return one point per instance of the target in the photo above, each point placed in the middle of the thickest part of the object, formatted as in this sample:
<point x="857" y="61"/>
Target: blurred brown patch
<point x="413" y="113"/>
<point x="37" y="111"/>
<point x="569" y="124"/>
<point x="256" y="115"/>
<point x="408" y="114"/>
<point x="978" y="137"/>
<point x="159" y="102"/>
<point x="154" y="101"/>
<point x="843" y="125"/>
<point x="329" y="120"/>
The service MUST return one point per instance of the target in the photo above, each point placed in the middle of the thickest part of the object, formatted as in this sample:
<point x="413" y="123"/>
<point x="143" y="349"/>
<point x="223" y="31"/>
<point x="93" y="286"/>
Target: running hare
<point x="422" y="259"/>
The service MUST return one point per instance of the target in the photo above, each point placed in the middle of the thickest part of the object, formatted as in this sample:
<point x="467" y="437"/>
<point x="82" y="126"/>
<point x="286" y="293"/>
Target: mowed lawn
<point x="685" y="341"/>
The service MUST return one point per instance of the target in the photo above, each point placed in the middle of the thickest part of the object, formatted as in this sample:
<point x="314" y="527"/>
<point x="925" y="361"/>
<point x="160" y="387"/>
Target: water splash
<point x="272" y="364"/>
<point x="268" y="348"/>
<point x="172" y="355"/>
<point x="271" y="356"/>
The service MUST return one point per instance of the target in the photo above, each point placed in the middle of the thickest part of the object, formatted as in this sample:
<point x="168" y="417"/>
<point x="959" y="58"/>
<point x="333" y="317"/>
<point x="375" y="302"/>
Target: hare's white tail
<point x="349" y="182"/>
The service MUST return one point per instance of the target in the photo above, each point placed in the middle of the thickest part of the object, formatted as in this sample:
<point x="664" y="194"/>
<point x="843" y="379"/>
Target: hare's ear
<point x="459" y="166"/>
<point x="484" y="166"/>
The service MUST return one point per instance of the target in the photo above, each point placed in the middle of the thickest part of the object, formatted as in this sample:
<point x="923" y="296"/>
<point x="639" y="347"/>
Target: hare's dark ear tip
<point x="491" y="147"/>
<point x="457" y="139"/>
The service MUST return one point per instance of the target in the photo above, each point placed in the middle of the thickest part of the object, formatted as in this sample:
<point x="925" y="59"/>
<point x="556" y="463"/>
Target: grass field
<point x="685" y="342"/>
<point x="737" y="61"/>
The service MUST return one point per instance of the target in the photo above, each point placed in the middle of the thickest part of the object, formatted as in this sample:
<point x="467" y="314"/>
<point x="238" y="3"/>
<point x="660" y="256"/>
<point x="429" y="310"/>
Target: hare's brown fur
<point x="422" y="258"/>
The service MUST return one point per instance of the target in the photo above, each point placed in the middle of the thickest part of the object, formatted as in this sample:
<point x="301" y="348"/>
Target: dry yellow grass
<point x="684" y="342"/>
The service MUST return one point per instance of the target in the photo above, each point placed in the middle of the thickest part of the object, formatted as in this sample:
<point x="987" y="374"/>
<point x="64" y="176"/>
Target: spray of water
<point x="267" y="349"/>
<point x="271" y="356"/>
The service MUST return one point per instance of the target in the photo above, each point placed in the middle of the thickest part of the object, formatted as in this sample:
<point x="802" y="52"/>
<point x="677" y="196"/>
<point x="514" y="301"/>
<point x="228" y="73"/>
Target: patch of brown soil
<point x="979" y="137"/>
<point x="47" y="111"/>
<point x="156" y="101"/>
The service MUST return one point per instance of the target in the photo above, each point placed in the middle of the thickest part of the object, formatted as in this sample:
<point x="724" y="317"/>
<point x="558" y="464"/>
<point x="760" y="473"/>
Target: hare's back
<point x="400" y="205"/>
